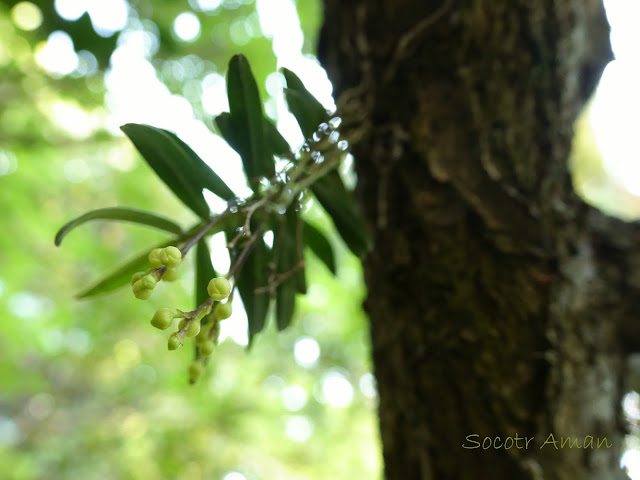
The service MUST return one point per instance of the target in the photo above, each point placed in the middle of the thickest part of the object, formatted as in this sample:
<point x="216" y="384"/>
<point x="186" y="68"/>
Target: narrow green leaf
<point x="208" y="178"/>
<point x="247" y="120"/>
<point x="119" y="213"/>
<point x="320" y="246"/>
<point x="122" y="275"/>
<point x="288" y="250"/>
<point x="308" y="111"/>
<point x="204" y="271"/>
<point x="227" y="130"/>
<point x="339" y="204"/>
<point x="308" y="117"/>
<point x="293" y="81"/>
<point x="276" y="143"/>
<point x="301" y="281"/>
<point x="254" y="275"/>
<point x="177" y="166"/>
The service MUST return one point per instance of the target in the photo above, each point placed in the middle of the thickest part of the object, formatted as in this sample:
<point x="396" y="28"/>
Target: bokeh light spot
<point x="336" y="389"/>
<point x="234" y="476"/>
<point x="57" y="55"/>
<point x="79" y="341"/>
<point x="299" y="428"/>
<point x="26" y="16"/>
<point x="206" y="5"/>
<point x="70" y="9"/>
<point x="8" y="162"/>
<point x="294" y="398"/>
<point x="306" y="351"/>
<point x="76" y="170"/>
<point x="367" y="385"/>
<point x="9" y="431"/>
<point x="27" y="305"/>
<point x="186" y="26"/>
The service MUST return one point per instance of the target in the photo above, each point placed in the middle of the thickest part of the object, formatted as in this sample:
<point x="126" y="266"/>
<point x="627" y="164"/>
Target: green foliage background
<point x="89" y="389"/>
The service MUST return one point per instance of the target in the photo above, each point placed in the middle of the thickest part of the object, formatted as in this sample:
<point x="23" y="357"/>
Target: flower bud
<point x="172" y="257"/>
<point x="174" y="342"/>
<point x="195" y="371"/>
<point x="203" y="336"/>
<point x="137" y="276"/>
<point x="163" y="318"/>
<point x="206" y="348"/>
<point x="223" y="311"/>
<point x="194" y="328"/>
<point x="155" y="257"/>
<point x="148" y="282"/>
<point x="142" y="294"/>
<point x="170" y="275"/>
<point x="219" y="288"/>
<point x="143" y="288"/>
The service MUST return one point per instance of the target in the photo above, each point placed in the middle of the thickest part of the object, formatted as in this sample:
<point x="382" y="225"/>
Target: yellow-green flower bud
<point x="142" y="294"/>
<point x="163" y="318"/>
<point x="137" y="276"/>
<point x="143" y="288"/>
<point x="219" y="288"/>
<point x="206" y="348"/>
<point x="223" y="311"/>
<point x="170" y="274"/>
<point x="195" y="371"/>
<point x="174" y="342"/>
<point x="172" y="257"/>
<point x="148" y="282"/>
<point x="203" y="336"/>
<point x="155" y="257"/>
<point x="194" y="328"/>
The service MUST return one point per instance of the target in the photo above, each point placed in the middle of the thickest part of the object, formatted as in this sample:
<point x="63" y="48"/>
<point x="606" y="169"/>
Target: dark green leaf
<point x="293" y="81"/>
<point x="308" y="117"/>
<point x="276" y="143"/>
<point x="287" y="243"/>
<point x="119" y="213"/>
<point x="227" y="130"/>
<point x="254" y="275"/>
<point x="339" y="204"/>
<point x="204" y="271"/>
<point x="208" y="178"/>
<point x="301" y="282"/>
<point x="320" y="246"/>
<point x="308" y="111"/>
<point x="247" y="120"/>
<point x="122" y="275"/>
<point x="178" y="166"/>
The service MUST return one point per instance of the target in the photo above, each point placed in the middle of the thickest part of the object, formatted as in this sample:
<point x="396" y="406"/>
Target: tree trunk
<point x="497" y="298"/>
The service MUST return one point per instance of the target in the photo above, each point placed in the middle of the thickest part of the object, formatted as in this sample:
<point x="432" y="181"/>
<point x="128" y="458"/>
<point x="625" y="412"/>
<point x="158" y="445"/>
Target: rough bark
<point x="497" y="298"/>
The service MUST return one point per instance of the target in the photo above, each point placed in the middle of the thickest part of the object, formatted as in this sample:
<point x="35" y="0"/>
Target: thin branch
<point x="245" y="252"/>
<point x="196" y="238"/>
<point x="279" y="279"/>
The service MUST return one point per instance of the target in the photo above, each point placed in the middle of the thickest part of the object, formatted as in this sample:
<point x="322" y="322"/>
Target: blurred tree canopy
<point x="89" y="389"/>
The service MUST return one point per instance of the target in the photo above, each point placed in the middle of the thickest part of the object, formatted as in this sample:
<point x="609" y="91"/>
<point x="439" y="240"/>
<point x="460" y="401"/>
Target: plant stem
<point x="196" y="238"/>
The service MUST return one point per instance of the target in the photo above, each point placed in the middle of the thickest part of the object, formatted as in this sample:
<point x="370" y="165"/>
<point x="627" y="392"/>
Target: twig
<point x="196" y="238"/>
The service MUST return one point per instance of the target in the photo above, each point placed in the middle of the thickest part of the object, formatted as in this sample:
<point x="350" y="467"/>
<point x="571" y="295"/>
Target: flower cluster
<point x="201" y="323"/>
<point x="164" y="266"/>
